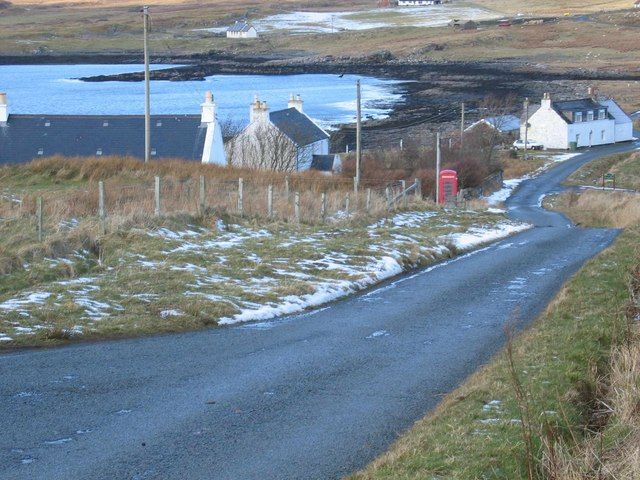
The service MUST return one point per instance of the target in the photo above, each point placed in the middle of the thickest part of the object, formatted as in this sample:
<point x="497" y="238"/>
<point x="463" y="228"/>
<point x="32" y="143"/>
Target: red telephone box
<point x="448" y="186"/>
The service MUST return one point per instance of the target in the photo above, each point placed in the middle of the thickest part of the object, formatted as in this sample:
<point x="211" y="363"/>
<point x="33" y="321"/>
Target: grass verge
<point x="559" y="364"/>
<point x="625" y="167"/>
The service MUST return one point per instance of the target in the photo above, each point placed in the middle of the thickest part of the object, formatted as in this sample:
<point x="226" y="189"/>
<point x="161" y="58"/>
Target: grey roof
<point x="297" y="126"/>
<point x="239" y="27"/>
<point x="323" y="163"/>
<point x="502" y="123"/>
<point x="172" y="136"/>
<point x="580" y="105"/>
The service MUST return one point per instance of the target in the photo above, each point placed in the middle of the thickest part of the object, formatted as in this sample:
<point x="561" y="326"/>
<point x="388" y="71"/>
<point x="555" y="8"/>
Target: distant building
<point x="187" y="137"/>
<point x="418" y="3"/>
<point x="285" y="140"/>
<point x="504" y="124"/>
<point x="242" y="30"/>
<point x="587" y="121"/>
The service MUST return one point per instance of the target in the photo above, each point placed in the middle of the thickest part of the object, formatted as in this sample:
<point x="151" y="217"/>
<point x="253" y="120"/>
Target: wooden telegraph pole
<point x="526" y="127"/>
<point x="438" y="162"/>
<point x="462" y="129"/>
<point x="147" y="93"/>
<point x="358" y="133"/>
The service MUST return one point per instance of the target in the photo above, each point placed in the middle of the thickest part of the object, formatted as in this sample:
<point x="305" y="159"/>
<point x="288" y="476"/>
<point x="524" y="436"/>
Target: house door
<point x="590" y="138"/>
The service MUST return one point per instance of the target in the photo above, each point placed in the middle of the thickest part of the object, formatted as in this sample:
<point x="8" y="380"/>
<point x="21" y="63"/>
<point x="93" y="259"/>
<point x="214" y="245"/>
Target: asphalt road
<point x="312" y="396"/>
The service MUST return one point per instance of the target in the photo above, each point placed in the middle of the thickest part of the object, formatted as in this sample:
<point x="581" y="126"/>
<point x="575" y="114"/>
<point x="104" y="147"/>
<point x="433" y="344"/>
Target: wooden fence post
<point x="296" y="207"/>
<point x="270" y="201"/>
<point x="323" y="206"/>
<point x="368" y="206"/>
<point x="158" y="209"/>
<point x="241" y="196"/>
<point x="286" y="187"/>
<point x="418" y="189"/>
<point x="102" y="212"/>
<point x="39" y="209"/>
<point x="404" y="192"/>
<point x="202" y="200"/>
<point x="346" y="204"/>
<point x="387" y="192"/>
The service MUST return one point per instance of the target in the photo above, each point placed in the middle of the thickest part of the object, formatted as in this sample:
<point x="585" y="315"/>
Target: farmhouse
<point x="583" y="122"/>
<point x="188" y="137"/>
<point x="286" y="140"/>
<point x="242" y="30"/>
<point x="504" y="124"/>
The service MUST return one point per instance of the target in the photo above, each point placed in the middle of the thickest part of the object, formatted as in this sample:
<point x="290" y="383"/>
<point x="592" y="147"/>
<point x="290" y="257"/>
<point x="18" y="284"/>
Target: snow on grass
<point x="505" y="192"/>
<point x="476" y="237"/>
<point x="28" y="300"/>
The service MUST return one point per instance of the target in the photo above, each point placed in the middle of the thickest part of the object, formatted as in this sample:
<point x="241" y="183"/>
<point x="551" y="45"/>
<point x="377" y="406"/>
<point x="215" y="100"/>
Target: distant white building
<point x="587" y="122"/>
<point x="418" y="3"/>
<point x="242" y="30"/>
<point x="505" y="124"/>
<point x="285" y="140"/>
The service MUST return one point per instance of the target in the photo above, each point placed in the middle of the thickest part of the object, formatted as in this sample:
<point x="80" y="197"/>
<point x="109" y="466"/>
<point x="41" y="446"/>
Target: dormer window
<point x="602" y="114"/>
<point x="590" y="116"/>
<point x="47" y="123"/>
<point x="577" y="117"/>
<point x="41" y="151"/>
<point x="105" y="123"/>
<point x="99" y="152"/>
<point x="159" y="123"/>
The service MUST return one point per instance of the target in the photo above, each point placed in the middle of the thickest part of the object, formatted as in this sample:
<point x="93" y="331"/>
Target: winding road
<point x="312" y="396"/>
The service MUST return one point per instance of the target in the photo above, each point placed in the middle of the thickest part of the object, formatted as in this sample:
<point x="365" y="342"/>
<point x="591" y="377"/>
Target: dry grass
<point x="553" y="7"/>
<point x="599" y="208"/>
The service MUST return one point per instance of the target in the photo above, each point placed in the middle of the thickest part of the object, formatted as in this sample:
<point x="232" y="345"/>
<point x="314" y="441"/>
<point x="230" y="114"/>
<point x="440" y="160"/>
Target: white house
<point x="587" y="122"/>
<point x="418" y="3"/>
<point x="285" y="140"/>
<point x="242" y="30"/>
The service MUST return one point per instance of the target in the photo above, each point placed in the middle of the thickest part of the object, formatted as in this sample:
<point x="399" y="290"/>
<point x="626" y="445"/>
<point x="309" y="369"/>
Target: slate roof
<point x="297" y="126"/>
<point x="502" y="123"/>
<point x="580" y="105"/>
<point x="172" y="136"/>
<point x="323" y="163"/>
<point x="239" y="27"/>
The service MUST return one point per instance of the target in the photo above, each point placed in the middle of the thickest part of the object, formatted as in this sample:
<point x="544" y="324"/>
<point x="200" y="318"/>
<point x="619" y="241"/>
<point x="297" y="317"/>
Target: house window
<point x="577" y="117"/>
<point x="105" y="123"/>
<point x="47" y="123"/>
<point x="99" y="152"/>
<point x="41" y="151"/>
<point x="590" y="116"/>
<point x="602" y="113"/>
<point x="153" y="152"/>
<point x="159" y="124"/>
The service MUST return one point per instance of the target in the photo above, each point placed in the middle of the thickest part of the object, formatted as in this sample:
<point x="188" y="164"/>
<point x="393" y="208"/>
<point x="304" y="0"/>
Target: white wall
<point x="596" y="129"/>
<point x="548" y="128"/>
<point x="623" y="122"/>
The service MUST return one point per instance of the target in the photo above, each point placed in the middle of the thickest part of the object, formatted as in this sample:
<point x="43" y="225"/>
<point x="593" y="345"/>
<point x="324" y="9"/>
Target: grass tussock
<point x="599" y="208"/>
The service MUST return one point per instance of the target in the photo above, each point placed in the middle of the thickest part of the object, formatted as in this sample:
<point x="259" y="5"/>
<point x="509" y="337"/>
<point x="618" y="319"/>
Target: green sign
<point x="610" y="177"/>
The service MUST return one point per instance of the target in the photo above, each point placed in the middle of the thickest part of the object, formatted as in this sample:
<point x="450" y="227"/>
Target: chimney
<point x="592" y="92"/>
<point x="546" y="101"/>
<point x="208" y="109"/>
<point x="259" y="110"/>
<point x="4" y="108"/>
<point x="295" y="101"/>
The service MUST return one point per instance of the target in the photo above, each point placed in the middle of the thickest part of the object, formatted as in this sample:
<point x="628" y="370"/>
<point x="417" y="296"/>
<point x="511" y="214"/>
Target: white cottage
<point x="285" y="140"/>
<point x="587" y="122"/>
<point x="242" y="30"/>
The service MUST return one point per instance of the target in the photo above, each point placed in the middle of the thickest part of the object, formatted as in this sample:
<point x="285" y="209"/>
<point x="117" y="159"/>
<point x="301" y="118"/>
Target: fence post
<point x="323" y="206"/>
<point x="286" y="187"/>
<point x="368" y="206"/>
<point x="418" y="189"/>
<point x="346" y="203"/>
<point x="157" y="196"/>
<point x="404" y="192"/>
<point x="202" y="203"/>
<point x="387" y="192"/>
<point x="39" y="208"/>
<point x="296" y="207"/>
<point x="270" y="201"/>
<point x="102" y="213"/>
<point x="240" y="196"/>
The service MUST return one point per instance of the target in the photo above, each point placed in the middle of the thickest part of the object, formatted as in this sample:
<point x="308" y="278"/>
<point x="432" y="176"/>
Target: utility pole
<point x="358" y="132"/>
<point x="438" y="162"/>
<point x="462" y="129"/>
<point x="147" y="93"/>
<point x="526" y="128"/>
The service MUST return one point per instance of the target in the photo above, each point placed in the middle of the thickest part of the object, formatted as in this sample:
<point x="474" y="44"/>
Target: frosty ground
<point x="162" y="280"/>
